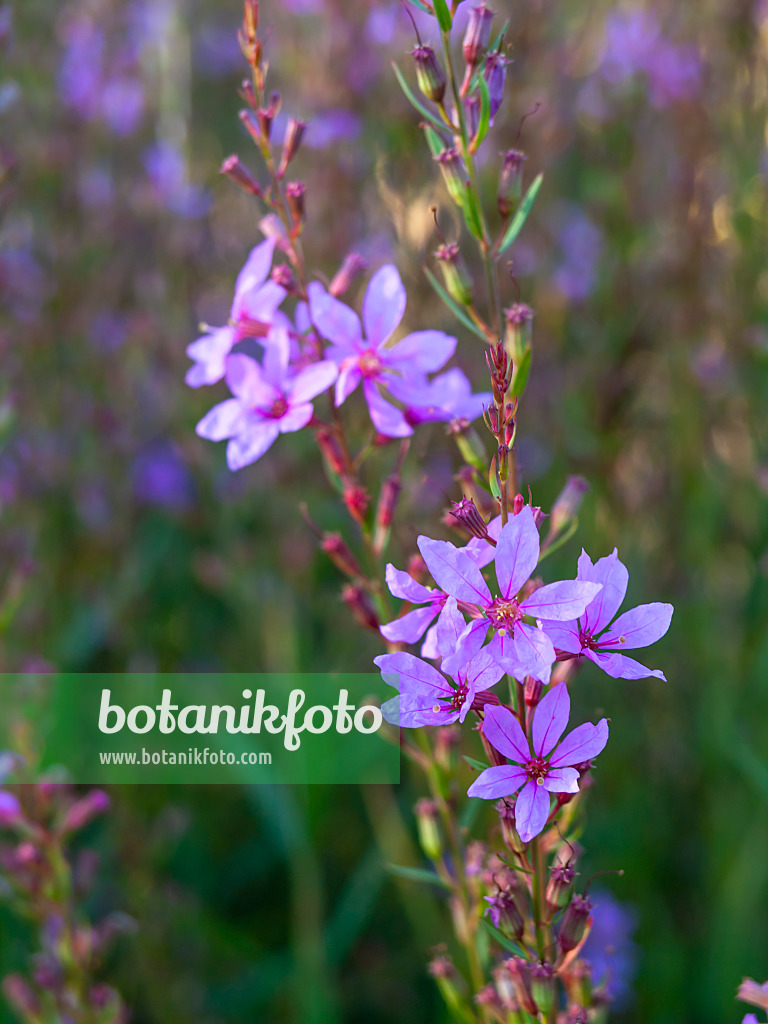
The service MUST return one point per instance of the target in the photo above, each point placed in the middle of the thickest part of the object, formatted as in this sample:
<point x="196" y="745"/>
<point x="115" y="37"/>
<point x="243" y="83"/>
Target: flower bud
<point x="337" y="550"/>
<point x="465" y="511"/>
<point x="285" y="277"/>
<point x="85" y="810"/>
<point x="252" y="125"/>
<point x="385" y="510"/>
<point x="558" y="886"/>
<point x="294" y="194"/>
<point x="458" y="283"/>
<point x="512" y="840"/>
<point x="428" y="828"/>
<point x="454" y="173"/>
<point x="346" y="275"/>
<point x="331" y="449"/>
<point x="356" y="499"/>
<point x="294" y="133"/>
<point x="358" y="602"/>
<point x="478" y="35"/>
<point x="472" y="107"/>
<point x="510" y="182"/>
<point x="236" y="171"/>
<point x="495" y="74"/>
<point x="520" y="972"/>
<point x="532" y="691"/>
<point x="543" y="988"/>
<point x="21" y="996"/>
<point x="753" y="993"/>
<point x="574" y="924"/>
<point x="567" y="504"/>
<point x="429" y="74"/>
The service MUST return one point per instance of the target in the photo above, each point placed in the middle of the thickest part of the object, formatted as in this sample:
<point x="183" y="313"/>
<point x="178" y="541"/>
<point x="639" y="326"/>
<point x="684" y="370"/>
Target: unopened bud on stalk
<point x="358" y="602"/>
<point x="753" y="993"/>
<point x="266" y="115"/>
<point x="487" y="996"/>
<point x="252" y="125"/>
<point x="495" y="74"/>
<point x="248" y="34"/>
<point x="417" y="568"/>
<point x="472" y="107"/>
<point x="509" y="833"/>
<point x="503" y="462"/>
<point x="337" y="550"/>
<point x="247" y="92"/>
<point x="356" y="500"/>
<point x="567" y="504"/>
<point x="465" y="511"/>
<point x="574" y="923"/>
<point x="285" y="277"/>
<point x="428" y="828"/>
<point x="236" y="171"/>
<point x="477" y="36"/>
<point x="458" y="283"/>
<point x="559" y="886"/>
<point x="294" y="133"/>
<point x="519" y="329"/>
<point x="251" y="18"/>
<point x="520" y="972"/>
<point x="331" y="449"/>
<point x="390" y="492"/>
<point x="510" y="182"/>
<point x="429" y="74"/>
<point x="85" y="810"/>
<point x="22" y="997"/>
<point x="454" y="173"/>
<point x="543" y="988"/>
<point x="532" y="691"/>
<point x="295" y="192"/>
<point x="352" y="267"/>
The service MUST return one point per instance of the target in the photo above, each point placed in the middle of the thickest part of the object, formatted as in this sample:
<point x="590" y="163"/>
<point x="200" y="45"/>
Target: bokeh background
<point x="126" y="544"/>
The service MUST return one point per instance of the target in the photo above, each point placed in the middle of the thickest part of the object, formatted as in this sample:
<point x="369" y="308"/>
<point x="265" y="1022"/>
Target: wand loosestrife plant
<point x="499" y="647"/>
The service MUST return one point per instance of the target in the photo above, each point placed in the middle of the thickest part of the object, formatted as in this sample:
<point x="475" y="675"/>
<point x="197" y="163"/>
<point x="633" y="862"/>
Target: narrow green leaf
<point x="521" y="216"/>
<point x="502" y="939"/>
<point x="412" y="99"/>
<point x="500" y="35"/>
<point x="522" y="370"/>
<point x="443" y="15"/>
<point x="454" y="307"/>
<point x="434" y="141"/>
<point x="472" y="211"/>
<point x="493" y="480"/>
<point x="416" y="874"/>
<point x="473" y="763"/>
<point x="485" y="114"/>
<point x="471" y="810"/>
<point x="421" y="6"/>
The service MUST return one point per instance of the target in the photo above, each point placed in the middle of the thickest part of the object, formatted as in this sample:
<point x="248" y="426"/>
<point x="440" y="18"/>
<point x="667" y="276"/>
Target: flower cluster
<point x="42" y="879"/>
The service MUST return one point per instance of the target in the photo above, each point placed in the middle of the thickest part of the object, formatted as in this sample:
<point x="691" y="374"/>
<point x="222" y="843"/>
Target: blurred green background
<point x="125" y="544"/>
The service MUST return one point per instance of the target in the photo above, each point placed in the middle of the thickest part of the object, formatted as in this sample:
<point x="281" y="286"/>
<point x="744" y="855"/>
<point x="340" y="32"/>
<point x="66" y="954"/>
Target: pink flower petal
<point x="561" y="780"/>
<point x="251" y="444"/>
<point x="559" y="601"/>
<point x="454" y="571"/>
<point x="550" y="719"/>
<point x="583" y="743"/>
<point x="503" y="731"/>
<point x="387" y="419"/>
<point x="531" y="810"/>
<point x="639" y="627"/>
<point x="383" y="305"/>
<point x="614" y="577"/>
<point x="517" y="552"/>
<point x="422" y="351"/>
<point x="222" y="421"/>
<point x="500" y="780"/>
<point x="334" y="320"/>
<point x="312" y="381"/>
<point x="409" y="627"/>
<point x="404" y="586"/>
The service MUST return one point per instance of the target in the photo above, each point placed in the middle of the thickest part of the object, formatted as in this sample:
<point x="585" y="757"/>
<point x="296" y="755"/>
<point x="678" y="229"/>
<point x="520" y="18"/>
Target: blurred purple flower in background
<point x="581" y="246"/>
<point x="160" y="477"/>
<point x="331" y="126"/>
<point x="167" y="172"/>
<point x="610" y="949"/>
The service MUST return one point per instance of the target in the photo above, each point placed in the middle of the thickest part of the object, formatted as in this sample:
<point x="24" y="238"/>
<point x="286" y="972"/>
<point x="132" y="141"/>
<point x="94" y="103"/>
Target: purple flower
<point x="495" y="74"/>
<point x="520" y="646"/>
<point x="541" y="766"/>
<point x="122" y="104"/>
<point x="268" y="401"/>
<point x="448" y="396"/>
<point x="167" y="172"/>
<point x="674" y="73"/>
<point x="253" y="311"/>
<point x="161" y="478"/>
<point x="368" y="359"/>
<point x="630" y="39"/>
<point x="609" y="949"/>
<point x="426" y="697"/>
<point x="10" y="808"/>
<point x="590" y="635"/>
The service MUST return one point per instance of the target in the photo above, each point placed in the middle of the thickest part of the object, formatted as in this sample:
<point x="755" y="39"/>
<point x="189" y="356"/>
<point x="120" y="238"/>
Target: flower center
<point x="537" y="769"/>
<point x="595" y="644"/>
<point x="503" y="614"/>
<point x="454" y="702"/>
<point x="369" y="363"/>
<point x="277" y="410"/>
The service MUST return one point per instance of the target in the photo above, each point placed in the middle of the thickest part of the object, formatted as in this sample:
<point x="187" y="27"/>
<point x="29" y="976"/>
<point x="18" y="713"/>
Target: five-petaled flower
<point x="253" y="311"/>
<point x="426" y="697"/>
<point x="268" y="401"/>
<point x="590" y="635"/>
<point x="369" y="359"/>
<point x="541" y="766"/>
<point x="519" y="645"/>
